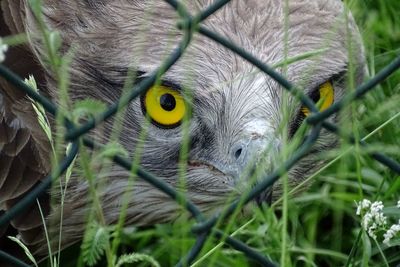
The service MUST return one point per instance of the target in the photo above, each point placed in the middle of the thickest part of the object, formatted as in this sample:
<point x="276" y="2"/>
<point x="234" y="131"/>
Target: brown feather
<point x="13" y="180"/>
<point x="5" y="165"/>
<point x="33" y="236"/>
<point x="31" y="218"/>
<point x="12" y="15"/>
<point x="25" y="184"/>
<point x="13" y="148"/>
<point x="7" y="134"/>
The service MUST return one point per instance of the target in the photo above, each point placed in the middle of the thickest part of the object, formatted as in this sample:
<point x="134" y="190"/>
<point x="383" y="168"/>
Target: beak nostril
<point x="238" y="153"/>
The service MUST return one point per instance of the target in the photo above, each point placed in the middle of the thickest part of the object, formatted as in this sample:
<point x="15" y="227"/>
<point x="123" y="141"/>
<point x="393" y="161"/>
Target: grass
<point x="316" y="228"/>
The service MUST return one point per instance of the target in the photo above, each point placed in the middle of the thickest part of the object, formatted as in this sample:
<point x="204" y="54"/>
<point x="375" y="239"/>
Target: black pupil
<point x="167" y="102"/>
<point x="315" y="96"/>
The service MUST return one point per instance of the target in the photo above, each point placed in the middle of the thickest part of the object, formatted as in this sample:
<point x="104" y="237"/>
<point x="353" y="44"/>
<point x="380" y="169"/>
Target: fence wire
<point x="205" y="227"/>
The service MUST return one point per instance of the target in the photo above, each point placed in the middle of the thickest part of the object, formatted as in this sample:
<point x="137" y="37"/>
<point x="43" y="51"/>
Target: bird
<point x="229" y="114"/>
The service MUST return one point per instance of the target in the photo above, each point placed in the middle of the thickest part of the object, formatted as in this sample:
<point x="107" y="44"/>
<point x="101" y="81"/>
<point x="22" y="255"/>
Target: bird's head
<point x="214" y="124"/>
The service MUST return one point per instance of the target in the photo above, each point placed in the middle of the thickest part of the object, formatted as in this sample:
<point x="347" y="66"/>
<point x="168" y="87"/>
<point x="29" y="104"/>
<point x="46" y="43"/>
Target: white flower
<point x="398" y="204"/>
<point x="392" y="232"/>
<point x="3" y="50"/>
<point x="362" y="206"/>
<point x="373" y="218"/>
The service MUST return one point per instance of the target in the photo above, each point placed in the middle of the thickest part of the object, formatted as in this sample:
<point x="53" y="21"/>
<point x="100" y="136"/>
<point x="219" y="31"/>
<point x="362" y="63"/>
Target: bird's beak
<point x="250" y="162"/>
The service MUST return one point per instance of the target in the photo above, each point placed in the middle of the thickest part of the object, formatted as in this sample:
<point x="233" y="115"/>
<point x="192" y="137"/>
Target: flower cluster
<point x="3" y="50"/>
<point x="392" y="232"/>
<point x="373" y="220"/>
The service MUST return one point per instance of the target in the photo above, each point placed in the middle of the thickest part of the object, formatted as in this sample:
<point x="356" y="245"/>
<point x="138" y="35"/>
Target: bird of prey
<point x="237" y="113"/>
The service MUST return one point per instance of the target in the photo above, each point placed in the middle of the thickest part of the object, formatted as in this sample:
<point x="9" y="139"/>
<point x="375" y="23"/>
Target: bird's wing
<point x="24" y="147"/>
<point x="24" y="154"/>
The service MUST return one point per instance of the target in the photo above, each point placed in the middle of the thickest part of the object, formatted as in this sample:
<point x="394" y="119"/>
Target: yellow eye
<point x="165" y="106"/>
<point x="324" y="98"/>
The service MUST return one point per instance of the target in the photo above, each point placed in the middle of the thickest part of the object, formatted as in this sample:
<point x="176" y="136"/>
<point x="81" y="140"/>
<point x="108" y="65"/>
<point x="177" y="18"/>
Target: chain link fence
<point x="205" y="227"/>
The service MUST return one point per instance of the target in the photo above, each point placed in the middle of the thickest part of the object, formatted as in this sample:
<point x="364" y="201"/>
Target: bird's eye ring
<point x="323" y="97"/>
<point x="164" y="106"/>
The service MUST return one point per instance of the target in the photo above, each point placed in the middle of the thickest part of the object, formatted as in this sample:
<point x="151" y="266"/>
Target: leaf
<point x="55" y="41"/>
<point x="36" y="7"/>
<point x="392" y="211"/>
<point x="371" y="176"/>
<point x="366" y="252"/>
<point x="39" y="110"/>
<point x="136" y="257"/>
<point x="111" y="150"/>
<point x="31" y="82"/>
<point x="94" y="244"/>
<point x="13" y="40"/>
<point x="26" y="250"/>
<point x="68" y="172"/>
<point x="303" y="56"/>
<point x="87" y="107"/>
